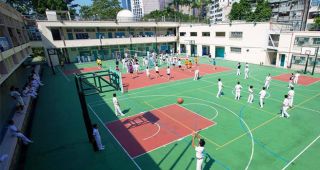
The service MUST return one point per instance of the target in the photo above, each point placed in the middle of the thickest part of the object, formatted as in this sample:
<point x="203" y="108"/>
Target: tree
<point x="263" y="12"/>
<point x="85" y="11"/>
<point x="316" y="24"/>
<point x="40" y="6"/>
<point x="105" y="9"/>
<point x="243" y="11"/>
<point x="23" y="6"/>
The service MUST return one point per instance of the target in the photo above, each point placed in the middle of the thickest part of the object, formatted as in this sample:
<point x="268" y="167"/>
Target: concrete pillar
<point x="199" y="50"/>
<point x="212" y="50"/>
<point x="188" y="49"/>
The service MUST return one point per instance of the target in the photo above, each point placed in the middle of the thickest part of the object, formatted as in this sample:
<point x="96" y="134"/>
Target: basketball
<point x="180" y="100"/>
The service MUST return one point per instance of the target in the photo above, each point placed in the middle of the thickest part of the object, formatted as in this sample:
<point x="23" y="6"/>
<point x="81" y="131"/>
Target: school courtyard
<point x="238" y="135"/>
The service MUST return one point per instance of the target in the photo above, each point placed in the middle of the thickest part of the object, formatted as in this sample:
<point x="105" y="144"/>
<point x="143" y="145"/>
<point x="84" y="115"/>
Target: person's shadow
<point x="208" y="162"/>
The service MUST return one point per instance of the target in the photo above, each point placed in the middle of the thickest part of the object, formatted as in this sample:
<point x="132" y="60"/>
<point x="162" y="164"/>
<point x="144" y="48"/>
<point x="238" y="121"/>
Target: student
<point x="196" y="60"/>
<point x="196" y="74"/>
<point x="116" y="105"/>
<point x="199" y="150"/>
<point x="97" y="137"/>
<point x="186" y="63"/>
<point x="15" y="132"/>
<point x="290" y="96"/>
<point x="157" y="70"/>
<point x="291" y="81"/>
<point x="262" y="96"/>
<point x="237" y="89"/>
<point x="267" y="81"/>
<point x="168" y="73"/>
<point x="99" y="63"/>
<point x="17" y="97"/>
<point x="123" y="63"/>
<point x="189" y="65"/>
<point x="148" y="72"/>
<point x="296" y="78"/>
<point x="214" y="63"/>
<point x="220" y="86"/>
<point x="285" y="106"/>
<point x="131" y="69"/>
<point x="238" y="69"/>
<point x="250" y="98"/>
<point x="246" y="71"/>
<point x="179" y="63"/>
<point x="117" y="68"/>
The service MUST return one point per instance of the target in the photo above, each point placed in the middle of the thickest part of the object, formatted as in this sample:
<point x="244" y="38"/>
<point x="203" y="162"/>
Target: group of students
<point x="288" y="98"/>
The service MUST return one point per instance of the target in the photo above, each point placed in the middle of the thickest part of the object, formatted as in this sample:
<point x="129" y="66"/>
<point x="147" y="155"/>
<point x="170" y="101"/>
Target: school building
<point x="256" y="42"/>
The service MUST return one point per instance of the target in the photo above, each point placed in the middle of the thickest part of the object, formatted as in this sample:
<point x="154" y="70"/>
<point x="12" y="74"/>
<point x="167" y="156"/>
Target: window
<point x="182" y="34"/>
<point x="236" y="35"/>
<point x="69" y="30"/>
<point x="70" y="36"/>
<point x="90" y="30"/>
<point x="55" y="34"/>
<point x="78" y="30"/>
<point x="82" y="36"/>
<point x="316" y="40"/>
<point x="235" y="49"/>
<point x="300" y="41"/>
<point x="220" y="34"/>
<point x="193" y="34"/>
<point x="206" y="34"/>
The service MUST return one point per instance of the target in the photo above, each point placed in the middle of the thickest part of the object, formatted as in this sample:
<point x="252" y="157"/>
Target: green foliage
<point x="317" y="21"/>
<point x="23" y="6"/>
<point x="243" y="11"/>
<point x="40" y="6"/>
<point x="105" y="9"/>
<point x="85" y="12"/>
<point x="169" y="14"/>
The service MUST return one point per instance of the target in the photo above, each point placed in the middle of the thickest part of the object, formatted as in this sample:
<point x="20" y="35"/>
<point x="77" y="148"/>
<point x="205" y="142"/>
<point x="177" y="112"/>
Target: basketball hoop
<point x="308" y="51"/>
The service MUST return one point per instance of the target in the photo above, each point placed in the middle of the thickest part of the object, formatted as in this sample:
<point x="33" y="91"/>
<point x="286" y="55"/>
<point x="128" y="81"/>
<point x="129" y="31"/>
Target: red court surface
<point x="81" y="70"/>
<point x="141" y="80"/>
<point x="303" y="80"/>
<point x="148" y="131"/>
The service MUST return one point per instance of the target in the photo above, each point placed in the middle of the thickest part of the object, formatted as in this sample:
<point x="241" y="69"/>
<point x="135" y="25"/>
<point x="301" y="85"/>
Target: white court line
<point x="159" y="128"/>
<point x="301" y="153"/>
<point x="64" y="75"/>
<point x="114" y="137"/>
<point x="169" y="84"/>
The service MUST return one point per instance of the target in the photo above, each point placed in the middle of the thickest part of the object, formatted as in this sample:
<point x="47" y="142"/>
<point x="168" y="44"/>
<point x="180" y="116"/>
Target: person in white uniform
<point x="285" y="106"/>
<point x="199" y="150"/>
<point x="290" y="96"/>
<point x="220" y="86"/>
<point x="237" y="90"/>
<point x="116" y="105"/>
<point x="291" y="81"/>
<point x="262" y="94"/>
<point x="196" y="74"/>
<point x="296" y="78"/>
<point x="168" y="72"/>
<point x="238" y="69"/>
<point x="267" y="81"/>
<point x="97" y="137"/>
<point x="250" y="98"/>
<point x="246" y="71"/>
<point x="148" y="72"/>
<point x="15" y="132"/>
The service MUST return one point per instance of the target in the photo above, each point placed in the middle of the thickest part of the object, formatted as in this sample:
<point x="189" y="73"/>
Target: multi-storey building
<point x="288" y="11"/>
<point x="125" y="4"/>
<point x="314" y="11"/>
<point x="219" y="10"/>
<point x="105" y="38"/>
<point x="14" y="41"/>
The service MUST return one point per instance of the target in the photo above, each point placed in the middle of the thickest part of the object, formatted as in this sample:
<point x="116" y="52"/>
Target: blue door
<point x="282" y="59"/>
<point x="219" y="52"/>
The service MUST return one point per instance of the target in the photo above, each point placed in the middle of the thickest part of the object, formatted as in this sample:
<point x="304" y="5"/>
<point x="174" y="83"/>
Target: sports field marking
<point x="296" y="157"/>
<point x="114" y="137"/>
<point x="159" y="128"/>
<point x="183" y="125"/>
<point x="215" y="116"/>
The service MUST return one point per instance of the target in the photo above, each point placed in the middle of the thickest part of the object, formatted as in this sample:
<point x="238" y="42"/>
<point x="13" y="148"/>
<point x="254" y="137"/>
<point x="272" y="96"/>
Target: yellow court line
<point x="252" y="130"/>
<point x="306" y="100"/>
<point x="183" y="125"/>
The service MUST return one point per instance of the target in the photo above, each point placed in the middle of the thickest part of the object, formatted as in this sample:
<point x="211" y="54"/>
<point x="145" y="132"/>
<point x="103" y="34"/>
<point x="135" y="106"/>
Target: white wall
<point x="253" y="43"/>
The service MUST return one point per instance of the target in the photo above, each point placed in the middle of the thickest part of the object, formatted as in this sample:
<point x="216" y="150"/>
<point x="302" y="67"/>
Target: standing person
<point x="99" y="63"/>
<point x="148" y="72"/>
<point x="123" y="63"/>
<point x="220" y="86"/>
<point x="97" y="137"/>
<point x="250" y="98"/>
<point x="116" y="105"/>
<point x="168" y="72"/>
<point x="199" y="150"/>
<point x="291" y="81"/>
<point x="179" y="63"/>
<point x="210" y="58"/>
<point x="296" y="78"/>
<point x="267" y="81"/>
<point x="157" y="70"/>
<point x="285" y="106"/>
<point x="17" y="133"/>
<point x="196" y="73"/>
<point x="238" y="69"/>
<point x="262" y="96"/>
<point x="246" y="71"/>
<point x="131" y="69"/>
<point x="237" y="89"/>
<point x="290" y="96"/>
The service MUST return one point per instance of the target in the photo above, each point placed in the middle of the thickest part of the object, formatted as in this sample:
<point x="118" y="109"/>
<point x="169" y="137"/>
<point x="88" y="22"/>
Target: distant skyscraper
<point x="125" y="4"/>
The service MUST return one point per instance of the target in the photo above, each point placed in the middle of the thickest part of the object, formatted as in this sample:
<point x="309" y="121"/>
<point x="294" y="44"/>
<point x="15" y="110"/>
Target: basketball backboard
<point x="308" y="51"/>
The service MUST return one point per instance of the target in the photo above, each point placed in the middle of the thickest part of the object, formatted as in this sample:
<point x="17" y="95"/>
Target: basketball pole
<point x="305" y="68"/>
<point x="315" y="61"/>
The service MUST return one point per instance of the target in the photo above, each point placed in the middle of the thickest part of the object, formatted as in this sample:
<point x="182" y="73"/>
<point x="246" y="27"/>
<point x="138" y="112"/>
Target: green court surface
<point x="244" y="137"/>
